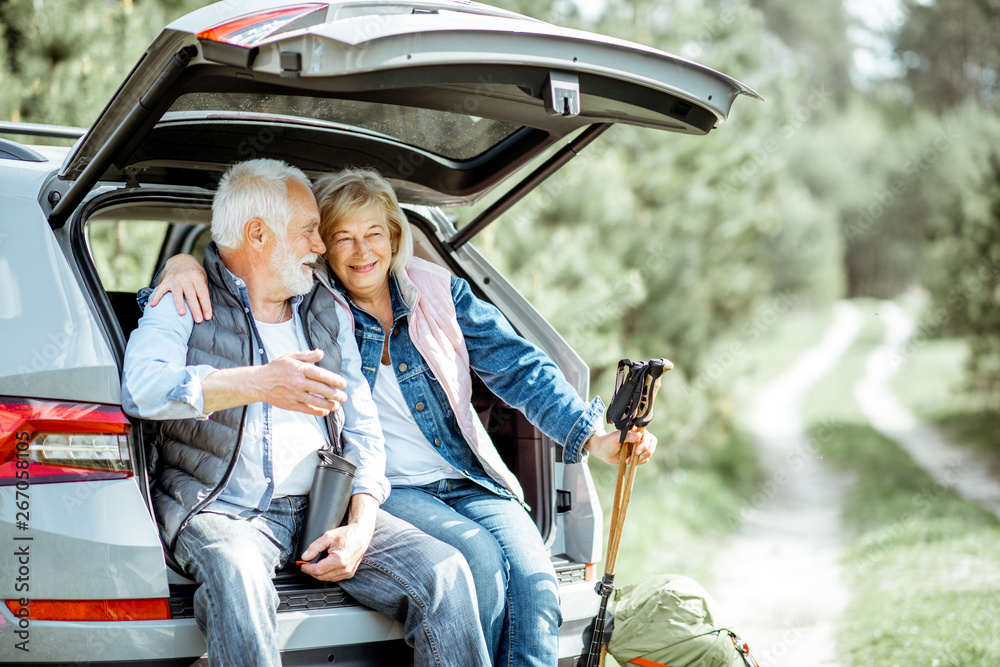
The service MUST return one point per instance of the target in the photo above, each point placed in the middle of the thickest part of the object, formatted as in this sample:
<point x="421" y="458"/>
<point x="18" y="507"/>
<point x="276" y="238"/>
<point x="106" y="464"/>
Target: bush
<point x="963" y="258"/>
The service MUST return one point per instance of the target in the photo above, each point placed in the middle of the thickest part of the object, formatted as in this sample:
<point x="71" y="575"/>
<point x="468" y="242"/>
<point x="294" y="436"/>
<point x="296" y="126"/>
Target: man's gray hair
<point x="253" y="189"/>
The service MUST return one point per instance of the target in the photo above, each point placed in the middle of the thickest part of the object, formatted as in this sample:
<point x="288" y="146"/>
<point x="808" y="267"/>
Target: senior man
<point x="246" y="399"/>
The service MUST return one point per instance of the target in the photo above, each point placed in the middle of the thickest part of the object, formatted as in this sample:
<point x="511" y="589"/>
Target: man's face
<point x="291" y="256"/>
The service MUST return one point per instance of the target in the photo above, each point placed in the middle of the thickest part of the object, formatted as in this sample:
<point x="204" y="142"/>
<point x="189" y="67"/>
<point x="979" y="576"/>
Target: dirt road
<point x="974" y="475"/>
<point x="779" y="584"/>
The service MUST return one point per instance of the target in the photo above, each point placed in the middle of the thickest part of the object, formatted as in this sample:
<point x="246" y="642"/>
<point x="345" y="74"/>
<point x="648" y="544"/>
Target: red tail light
<point x="247" y="31"/>
<point x="142" y="609"/>
<point x="56" y="441"/>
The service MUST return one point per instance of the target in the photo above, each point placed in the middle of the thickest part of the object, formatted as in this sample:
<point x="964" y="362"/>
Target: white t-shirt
<point x="409" y="459"/>
<point x="295" y="436"/>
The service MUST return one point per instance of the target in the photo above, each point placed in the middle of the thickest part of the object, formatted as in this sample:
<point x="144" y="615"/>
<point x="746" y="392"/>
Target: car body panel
<point x="578" y="530"/>
<point x="79" y="550"/>
<point x="66" y="355"/>
<point x="581" y="599"/>
<point x="144" y="641"/>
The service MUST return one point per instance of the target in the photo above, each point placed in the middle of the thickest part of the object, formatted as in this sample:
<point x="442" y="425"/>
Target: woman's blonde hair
<point x="344" y="193"/>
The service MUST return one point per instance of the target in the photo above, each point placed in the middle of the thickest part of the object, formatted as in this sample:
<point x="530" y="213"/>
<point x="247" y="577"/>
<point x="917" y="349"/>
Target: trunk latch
<point x="562" y="95"/>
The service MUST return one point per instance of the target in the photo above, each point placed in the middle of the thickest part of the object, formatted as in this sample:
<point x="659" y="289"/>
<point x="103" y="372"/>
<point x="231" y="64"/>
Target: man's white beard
<point x="288" y="268"/>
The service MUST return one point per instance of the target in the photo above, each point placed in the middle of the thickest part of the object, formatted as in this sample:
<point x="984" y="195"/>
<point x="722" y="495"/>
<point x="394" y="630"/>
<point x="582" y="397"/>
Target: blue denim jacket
<point x="515" y="370"/>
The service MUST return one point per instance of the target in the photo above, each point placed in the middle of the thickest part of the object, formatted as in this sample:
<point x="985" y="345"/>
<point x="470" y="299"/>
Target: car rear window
<point x="125" y="252"/>
<point x="450" y="134"/>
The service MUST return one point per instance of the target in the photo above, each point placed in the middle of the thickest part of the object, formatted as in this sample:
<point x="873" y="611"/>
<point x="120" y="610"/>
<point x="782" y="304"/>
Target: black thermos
<point x="329" y="497"/>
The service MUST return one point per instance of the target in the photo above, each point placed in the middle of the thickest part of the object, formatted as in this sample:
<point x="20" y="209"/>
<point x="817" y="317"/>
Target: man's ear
<point x="256" y="234"/>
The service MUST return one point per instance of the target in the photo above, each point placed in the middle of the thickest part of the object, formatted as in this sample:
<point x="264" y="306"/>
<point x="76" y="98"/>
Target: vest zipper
<point x="232" y="462"/>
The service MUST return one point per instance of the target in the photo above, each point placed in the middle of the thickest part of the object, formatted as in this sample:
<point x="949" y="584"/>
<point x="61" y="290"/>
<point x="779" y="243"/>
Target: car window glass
<point x="199" y="242"/>
<point x="447" y="133"/>
<point x="125" y="251"/>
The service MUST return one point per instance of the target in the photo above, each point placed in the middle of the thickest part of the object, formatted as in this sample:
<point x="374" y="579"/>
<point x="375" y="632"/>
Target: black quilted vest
<point x="195" y="458"/>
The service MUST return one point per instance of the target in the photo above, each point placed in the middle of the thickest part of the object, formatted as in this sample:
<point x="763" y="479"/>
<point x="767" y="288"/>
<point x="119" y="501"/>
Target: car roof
<point x="446" y="98"/>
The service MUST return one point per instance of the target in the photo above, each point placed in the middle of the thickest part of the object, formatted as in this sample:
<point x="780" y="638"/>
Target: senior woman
<point x="421" y="332"/>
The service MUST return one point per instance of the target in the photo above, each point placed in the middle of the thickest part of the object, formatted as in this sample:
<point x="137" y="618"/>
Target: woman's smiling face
<point x="359" y="250"/>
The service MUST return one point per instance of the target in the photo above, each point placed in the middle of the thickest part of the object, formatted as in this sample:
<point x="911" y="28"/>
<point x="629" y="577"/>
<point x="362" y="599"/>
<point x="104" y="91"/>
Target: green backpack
<point x="665" y="620"/>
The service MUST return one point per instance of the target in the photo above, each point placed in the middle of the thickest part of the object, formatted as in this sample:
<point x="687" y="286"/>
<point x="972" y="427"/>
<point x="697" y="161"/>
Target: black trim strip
<point x="41" y="130"/>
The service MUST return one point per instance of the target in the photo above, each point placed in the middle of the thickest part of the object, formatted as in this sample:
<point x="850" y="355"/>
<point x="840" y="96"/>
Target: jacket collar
<point x="229" y="281"/>
<point x="403" y="299"/>
<point x="218" y="273"/>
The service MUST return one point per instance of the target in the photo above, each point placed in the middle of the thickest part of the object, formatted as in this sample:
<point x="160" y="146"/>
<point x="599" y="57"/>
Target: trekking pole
<point x="636" y="385"/>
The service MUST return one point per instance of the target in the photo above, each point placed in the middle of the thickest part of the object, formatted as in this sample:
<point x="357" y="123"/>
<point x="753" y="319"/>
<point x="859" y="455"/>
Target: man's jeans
<point x="509" y="562"/>
<point x="417" y="580"/>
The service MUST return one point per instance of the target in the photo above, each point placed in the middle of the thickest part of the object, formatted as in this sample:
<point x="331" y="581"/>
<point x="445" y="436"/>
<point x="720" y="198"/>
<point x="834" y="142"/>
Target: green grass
<point x="979" y="430"/>
<point x="922" y="564"/>
<point x="773" y="352"/>
<point x="930" y="378"/>
<point x="921" y="561"/>
<point x="831" y="399"/>
<point x="931" y="384"/>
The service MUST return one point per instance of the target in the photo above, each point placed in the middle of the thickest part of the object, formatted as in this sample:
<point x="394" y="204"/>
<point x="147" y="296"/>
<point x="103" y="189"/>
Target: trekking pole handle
<point x="650" y="387"/>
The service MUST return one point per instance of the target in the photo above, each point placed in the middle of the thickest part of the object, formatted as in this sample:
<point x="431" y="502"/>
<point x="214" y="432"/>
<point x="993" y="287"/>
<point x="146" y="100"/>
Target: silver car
<point x="447" y="99"/>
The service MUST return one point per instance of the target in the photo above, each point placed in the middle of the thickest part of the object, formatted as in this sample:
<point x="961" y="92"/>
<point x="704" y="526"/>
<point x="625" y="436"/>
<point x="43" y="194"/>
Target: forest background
<point x="873" y="169"/>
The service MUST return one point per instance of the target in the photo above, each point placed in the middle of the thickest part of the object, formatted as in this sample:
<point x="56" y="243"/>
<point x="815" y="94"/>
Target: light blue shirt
<point x="158" y="384"/>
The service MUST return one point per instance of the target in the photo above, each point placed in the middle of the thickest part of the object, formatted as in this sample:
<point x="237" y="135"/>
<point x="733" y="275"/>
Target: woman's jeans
<point x="509" y="562"/>
<point x="410" y="577"/>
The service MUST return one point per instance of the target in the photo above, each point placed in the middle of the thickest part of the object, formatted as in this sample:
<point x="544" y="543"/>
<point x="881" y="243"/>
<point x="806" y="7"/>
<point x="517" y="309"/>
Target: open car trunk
<point x="446" y="99"/>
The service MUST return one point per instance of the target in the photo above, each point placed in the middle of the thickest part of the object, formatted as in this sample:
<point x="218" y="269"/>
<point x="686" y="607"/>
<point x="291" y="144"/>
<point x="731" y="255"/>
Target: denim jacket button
<point x="402" y="368"/>
<point x="395" y="332"/>
<point x="420" y="407"/>
<point x="437" y="442"/>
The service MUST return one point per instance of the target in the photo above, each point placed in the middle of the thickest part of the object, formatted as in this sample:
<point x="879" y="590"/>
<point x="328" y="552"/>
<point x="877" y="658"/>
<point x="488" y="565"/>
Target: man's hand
<point x="186" y="280"/>
<point x="346" y="545"/>
<point x="292" y="382"/>
<point x="606" y="447"/>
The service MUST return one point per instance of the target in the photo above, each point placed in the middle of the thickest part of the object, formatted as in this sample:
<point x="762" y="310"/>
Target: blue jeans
<point x="510" y="565"/>
<point x="410" y="577"/>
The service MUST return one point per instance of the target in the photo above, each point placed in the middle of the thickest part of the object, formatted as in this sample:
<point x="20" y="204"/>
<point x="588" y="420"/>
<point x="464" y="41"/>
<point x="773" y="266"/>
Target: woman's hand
<point x="606" y="446"/>
<point x="187" y="281"/>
